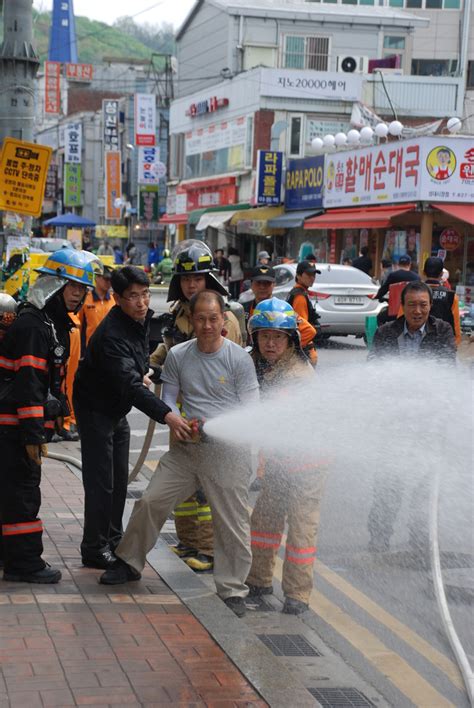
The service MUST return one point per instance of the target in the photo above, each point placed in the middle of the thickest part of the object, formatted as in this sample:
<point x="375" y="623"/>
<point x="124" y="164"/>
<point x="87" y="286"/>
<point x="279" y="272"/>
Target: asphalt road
<point x="377" y="611"/>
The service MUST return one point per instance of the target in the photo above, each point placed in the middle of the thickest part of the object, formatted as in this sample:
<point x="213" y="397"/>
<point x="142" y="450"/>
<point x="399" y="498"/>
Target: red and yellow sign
<point x="450" y="239"/>
<point x="113" y="183"/>
<point x="52" y="87"/>
<point x="23" y="172"/>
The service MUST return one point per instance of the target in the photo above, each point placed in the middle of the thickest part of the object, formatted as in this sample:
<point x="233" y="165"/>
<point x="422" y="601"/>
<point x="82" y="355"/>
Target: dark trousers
<point x="234" y="289"/>
<point x="20" y="501"/>
<point x="105" y="444"/>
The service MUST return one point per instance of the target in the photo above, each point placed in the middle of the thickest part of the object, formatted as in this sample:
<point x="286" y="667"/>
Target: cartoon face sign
<point x="441" y="163"/>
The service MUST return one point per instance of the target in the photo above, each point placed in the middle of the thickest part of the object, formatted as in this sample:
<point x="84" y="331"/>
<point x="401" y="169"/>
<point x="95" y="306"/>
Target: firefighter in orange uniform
<point x="291" y="489"/>
<point x="300" y="301"/>
<point x="97" y="305"/>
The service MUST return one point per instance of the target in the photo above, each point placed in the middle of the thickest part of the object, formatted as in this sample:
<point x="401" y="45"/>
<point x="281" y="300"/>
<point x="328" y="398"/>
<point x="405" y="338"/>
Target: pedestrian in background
<point x="105" y="249"/>
<point x="291" y="487"/>
<point x="222" y="265"/>
<point x="263" y="259"/>
<point x="364" y="261"/>
<point x="210" y="375"/>
<point x="111" y="379"/>
<point x="118" y="255"/>
<point x="132" y="256"/>
<point x="386" y="269"/>
<point x="299" y="299"/>
<point x="445" y="304"/>
<point x="33" y="360"/>
<point x="236" y="275"/>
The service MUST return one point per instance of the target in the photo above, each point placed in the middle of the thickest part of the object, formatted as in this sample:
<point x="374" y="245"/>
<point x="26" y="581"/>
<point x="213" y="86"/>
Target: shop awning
<point x="463" y="212"/>
<point x="174" y="219"/>
<point x="255" y="221"/>
<point x="196" y="214"/>
<point x="356" y="218"/>
<point x="292" y="219"/>
<point x="215" y="220"/>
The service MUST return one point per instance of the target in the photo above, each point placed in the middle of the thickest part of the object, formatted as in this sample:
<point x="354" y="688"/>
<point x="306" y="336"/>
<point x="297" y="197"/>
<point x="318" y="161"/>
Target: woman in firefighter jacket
<point x="291" y="488"/>
<point x="33" y="358"/>
<point x="193" y="272"/>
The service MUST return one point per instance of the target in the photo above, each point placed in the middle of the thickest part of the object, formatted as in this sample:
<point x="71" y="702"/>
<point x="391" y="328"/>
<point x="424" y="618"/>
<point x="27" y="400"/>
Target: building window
<point x="434" y="67"/>
<point x="427" y="4"/>
<point x="296" y="133"/>
<point x="306" y="53"/>
<point x="470" y="74"/>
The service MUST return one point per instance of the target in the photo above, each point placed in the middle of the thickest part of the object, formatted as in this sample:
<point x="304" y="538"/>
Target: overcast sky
<point x="173" y="11"/>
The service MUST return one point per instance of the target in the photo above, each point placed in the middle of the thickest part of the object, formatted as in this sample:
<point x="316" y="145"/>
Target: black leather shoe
<point x="294" y="607"/>
<point x="237" y="605"/>
<point x="119" y="573"/>
<point x="102" y="560"/>
<point x="45" y="576"/>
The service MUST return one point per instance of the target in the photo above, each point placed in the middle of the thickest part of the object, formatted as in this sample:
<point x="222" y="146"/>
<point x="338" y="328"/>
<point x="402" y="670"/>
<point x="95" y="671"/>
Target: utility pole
<point x="18" y="67"/>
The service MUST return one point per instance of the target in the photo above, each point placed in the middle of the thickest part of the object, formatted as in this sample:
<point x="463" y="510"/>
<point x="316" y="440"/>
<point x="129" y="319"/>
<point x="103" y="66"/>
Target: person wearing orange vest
<point x="97" y="305"/>
<point x="69" y="430"/>
<point x="299" y="300"/>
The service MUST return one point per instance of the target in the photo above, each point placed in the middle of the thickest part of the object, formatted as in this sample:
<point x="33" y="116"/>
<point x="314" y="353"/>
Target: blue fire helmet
<point x="273" y="314"/>
<point x="78" y="266"/>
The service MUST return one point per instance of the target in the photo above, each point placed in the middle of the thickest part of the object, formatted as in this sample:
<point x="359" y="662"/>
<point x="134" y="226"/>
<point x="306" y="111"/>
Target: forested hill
<point x="96" y="40"/>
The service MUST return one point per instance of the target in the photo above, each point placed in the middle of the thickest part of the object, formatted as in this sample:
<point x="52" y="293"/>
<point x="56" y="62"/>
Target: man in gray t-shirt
<point x="210" y="375"/>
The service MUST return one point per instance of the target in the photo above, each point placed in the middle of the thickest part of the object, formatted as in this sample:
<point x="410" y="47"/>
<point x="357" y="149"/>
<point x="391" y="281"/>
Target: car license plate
<point x="349" y="300"/>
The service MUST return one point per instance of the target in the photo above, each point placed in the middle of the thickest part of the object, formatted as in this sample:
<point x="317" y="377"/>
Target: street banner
<point x="111" y="231"/>
<point x="79" y="72"/>
<point x="304" y="183"/>
<point x="73" y="143"/>
<point x="52" y="87"/>
<point x="51" y="189"/>
<point x="110" y="120"/>
<point x="145" y="119"/>
<point x="23" y="172"/>
<point x="439" y="168"/>
<point x="148" y="165"/>
<point x="113" y="183"/>
<point x="149" y="210"/>
<point x="269" y="177"/>
<point x="72" y="185"/>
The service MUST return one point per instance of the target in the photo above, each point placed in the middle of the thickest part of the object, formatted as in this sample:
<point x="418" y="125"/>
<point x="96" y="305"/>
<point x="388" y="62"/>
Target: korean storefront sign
<point x="79" y="72"/>
<point x="72" y="184"/>
<point x="110" y="117"/>
<point x="150" y="169"/>
<point x="23" y="171"/>
<point x="304" y="183"/>
<point x="269" y="177"/>
<point x="52" y="91"/>
<point x="149" y="204"/>
<point x="51" y="188"/>
<point x="429" y="168"/>
<point x="73" y="143"/>
<point x="113" y="183"/>
<point x="311" y="85"/>
<point x="145" y="119"/>
<point x="216" y="137"/>
<point x="210" y="193"/>
<point x="111" y="231"/>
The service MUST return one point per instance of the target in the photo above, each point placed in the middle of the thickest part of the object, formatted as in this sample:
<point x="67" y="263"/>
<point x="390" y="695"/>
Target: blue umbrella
<point x="70" y="220"/>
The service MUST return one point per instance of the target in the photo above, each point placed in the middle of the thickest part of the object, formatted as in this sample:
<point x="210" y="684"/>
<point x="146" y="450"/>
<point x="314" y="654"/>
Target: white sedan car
<point x="344" y="297"/>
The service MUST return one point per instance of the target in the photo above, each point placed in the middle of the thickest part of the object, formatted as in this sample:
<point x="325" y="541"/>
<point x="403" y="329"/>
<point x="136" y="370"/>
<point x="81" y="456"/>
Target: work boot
<point x="184" y="551"/>
<point x="45" y="576"/>
<point x="258" y="590"/>
<point x="200" y="562"/>
<point x="119" y="573"/>
<point x="68" y="435"/>
<point x="237" y="605"/>
<point x="294" y="607"/>
<point x="102" y="559"/>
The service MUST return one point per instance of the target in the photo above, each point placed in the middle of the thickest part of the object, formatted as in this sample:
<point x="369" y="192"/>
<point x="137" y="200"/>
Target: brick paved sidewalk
<point x="81" y="643"/>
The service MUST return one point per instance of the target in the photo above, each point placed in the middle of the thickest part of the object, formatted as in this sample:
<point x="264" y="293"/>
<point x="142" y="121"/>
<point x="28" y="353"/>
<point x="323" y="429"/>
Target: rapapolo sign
<point x="23" y="172"/>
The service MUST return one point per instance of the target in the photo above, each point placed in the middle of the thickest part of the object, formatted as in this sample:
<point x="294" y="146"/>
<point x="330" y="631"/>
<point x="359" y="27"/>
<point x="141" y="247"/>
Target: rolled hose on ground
<point x="146" y="443"/>
<point x="456" y="646"/>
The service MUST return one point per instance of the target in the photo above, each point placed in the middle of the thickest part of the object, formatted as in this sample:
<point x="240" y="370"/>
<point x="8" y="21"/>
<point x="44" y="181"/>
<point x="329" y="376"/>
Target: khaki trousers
<point x="295" y="497"/>
<point x="223" y="473"/>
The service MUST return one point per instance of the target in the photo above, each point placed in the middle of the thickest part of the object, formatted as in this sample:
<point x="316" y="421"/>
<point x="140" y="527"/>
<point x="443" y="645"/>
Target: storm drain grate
<point x="134" y="494"/>
<point x="340" y="698"/>
<point x="288" y="645"/>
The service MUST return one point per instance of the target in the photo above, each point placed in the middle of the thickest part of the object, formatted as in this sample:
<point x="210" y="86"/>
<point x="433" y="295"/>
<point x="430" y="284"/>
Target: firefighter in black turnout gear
<point x="33" y="356"/>
<point x="445" y="304"/>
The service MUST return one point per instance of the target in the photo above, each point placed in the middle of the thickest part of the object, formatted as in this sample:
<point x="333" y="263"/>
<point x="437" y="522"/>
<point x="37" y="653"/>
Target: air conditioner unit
<point x="349" y="64"/>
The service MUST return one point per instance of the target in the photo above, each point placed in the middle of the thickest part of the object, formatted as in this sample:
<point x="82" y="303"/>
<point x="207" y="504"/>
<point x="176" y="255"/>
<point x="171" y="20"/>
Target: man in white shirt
<point x="210" y="374"/>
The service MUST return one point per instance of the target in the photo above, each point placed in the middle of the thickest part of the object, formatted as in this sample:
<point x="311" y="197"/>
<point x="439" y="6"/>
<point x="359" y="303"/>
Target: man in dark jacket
<point x="402" y="274"/>
<point x="364" y="261"/>
<point x="111" y="379"/>
<point x="33" y="358"/>
<point x="417" y="333"/>
<point x="445" y="302"/>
